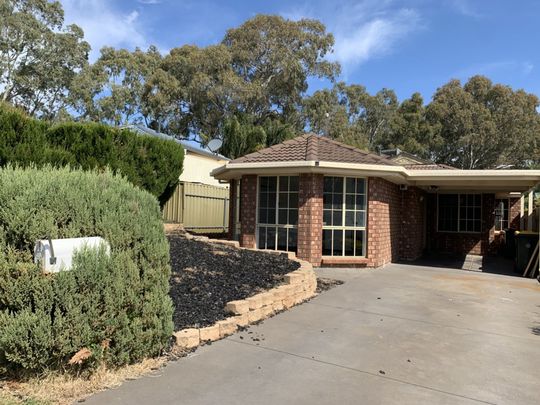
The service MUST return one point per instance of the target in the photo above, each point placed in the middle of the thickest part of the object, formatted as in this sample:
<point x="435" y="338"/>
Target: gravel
<point x="205" y="276"/>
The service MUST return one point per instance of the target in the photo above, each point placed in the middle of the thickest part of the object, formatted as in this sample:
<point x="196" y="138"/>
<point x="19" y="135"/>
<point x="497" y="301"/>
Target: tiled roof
<point x="433" y="166"/>
<point x="311" y="147"/>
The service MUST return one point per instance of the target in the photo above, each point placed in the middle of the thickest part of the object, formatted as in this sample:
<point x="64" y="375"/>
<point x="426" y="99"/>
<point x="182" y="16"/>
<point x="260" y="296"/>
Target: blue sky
<point x="408" y="46"/>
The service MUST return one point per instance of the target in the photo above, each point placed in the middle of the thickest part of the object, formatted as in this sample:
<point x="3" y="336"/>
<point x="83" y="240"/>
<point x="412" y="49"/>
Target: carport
<point x="468" y="211"/>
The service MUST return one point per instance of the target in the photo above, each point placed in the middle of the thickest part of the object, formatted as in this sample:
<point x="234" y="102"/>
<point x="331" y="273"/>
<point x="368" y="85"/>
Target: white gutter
<point x="379" y="170"/>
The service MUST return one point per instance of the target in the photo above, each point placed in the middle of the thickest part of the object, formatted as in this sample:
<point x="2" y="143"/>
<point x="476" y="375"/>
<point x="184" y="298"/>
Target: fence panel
<point x="200" y="207"/>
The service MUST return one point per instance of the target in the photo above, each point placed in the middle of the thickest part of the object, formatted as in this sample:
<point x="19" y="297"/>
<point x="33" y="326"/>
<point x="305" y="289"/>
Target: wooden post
<point x="522" y="213"/>
<point x="530" y="211"/>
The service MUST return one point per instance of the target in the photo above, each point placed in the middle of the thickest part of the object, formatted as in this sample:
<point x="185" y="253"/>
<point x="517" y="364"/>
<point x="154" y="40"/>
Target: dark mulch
<point x="205" y="276"/>
<point x="325" y="284"/>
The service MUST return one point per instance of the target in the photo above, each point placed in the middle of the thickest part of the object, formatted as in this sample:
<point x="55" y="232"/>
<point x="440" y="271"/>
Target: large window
<point x="501" y="214"/>
<point x="278" y="213"/>
<point x="344" y="216"/>
<point x="459" y="212"/>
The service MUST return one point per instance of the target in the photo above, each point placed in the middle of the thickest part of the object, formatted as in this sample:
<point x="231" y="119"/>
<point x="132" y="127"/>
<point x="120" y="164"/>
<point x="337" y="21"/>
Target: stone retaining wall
<point x="299" y="286"/>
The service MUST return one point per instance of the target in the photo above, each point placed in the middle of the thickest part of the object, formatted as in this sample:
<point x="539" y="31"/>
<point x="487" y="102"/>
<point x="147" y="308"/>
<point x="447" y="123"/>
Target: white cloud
<point x="362" y="30"/>
<point x="105" y="26"/>
<point x="466" y="8"/>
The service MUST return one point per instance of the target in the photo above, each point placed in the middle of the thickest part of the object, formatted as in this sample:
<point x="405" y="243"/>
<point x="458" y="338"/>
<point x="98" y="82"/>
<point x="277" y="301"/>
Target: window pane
<point x="293" y="183"/>
<point x="360" y="218"/>
<point x="349" y="201"/>
<point x="282" y="218"/>
<point x="271" y="218"/>
<point x="361" y="186"/>
<point x="360" y="237"/>
<point x="327" y="217"/>
<point x="271" y="238"/>
<point x="349" y="218"/>
<point x="327" y="242"/>
<point x="328" y="184"/>
<point x="272" y="200"/>
<point x="272" y="184"/>
<point x="350" y="185"/>
<point x="476" y="226"/>
<point x="338" y="184"/>
<point x="263" y="184"/>
<point x="263" y="216"/>
<point x="293" y="236"/>
<point x="283" y="183"/>
<point x="349" y="243"/>
<point x="360" y="202"/>
<point x="282" y="239"/>
<point x="337" y="219"/>
<point x="293" y="200"/>
<point x="293" y="217"/>
<point x="283" y="200"/>
<point x="337" y="200"/>
<point x="263" y="200"/>
<point x="327" y="200"/>
<point x="262" y="238"/>
<point x="338" y="243"/>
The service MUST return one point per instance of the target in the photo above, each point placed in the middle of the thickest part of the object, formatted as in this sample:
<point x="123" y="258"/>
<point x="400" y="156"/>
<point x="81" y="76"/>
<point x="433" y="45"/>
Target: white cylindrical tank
<point x="55" y="255"/>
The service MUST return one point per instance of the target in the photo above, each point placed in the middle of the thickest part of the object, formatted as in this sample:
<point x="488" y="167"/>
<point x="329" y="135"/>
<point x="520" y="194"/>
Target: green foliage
<point x="150" y="163"/>
<point x="117" y="306"/>
<point x="39" y="56"/>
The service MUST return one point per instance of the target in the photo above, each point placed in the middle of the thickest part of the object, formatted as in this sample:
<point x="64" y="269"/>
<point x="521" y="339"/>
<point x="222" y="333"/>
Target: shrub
<point x="151" y="163"/>
<point x="116" y="305"/>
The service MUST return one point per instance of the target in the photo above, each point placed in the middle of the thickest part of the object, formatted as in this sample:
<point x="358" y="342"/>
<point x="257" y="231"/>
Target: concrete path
<point x="398" y="335"/>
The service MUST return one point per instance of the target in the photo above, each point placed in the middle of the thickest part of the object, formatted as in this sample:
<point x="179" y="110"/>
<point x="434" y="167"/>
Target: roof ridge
<point x="358" y="150"/>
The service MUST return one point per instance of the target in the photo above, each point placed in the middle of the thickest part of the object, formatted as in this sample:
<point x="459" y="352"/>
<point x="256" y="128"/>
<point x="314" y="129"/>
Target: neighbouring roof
<point x="432" y="166"/>
<point x="142" y="130"/>
<point x="312" y="147"/>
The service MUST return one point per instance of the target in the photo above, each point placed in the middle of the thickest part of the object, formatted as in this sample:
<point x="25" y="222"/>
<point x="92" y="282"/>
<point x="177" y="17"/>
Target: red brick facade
<point x="310" y="218"/>
<point x="413" y="218"/>
<point x="463" y="243"/>
<point x="232" y="208"/>
<point x="401" y="224"/>
<point x="248" y="214"/>
<point x="383" y="227"/>
<point x="514" y="212"/>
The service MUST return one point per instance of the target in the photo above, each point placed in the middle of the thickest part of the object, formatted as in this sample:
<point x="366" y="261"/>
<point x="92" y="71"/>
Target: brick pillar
<point x="514" y="211"/>
<point x="248" y="213"/>
<point x="413" y="225"/>
<point x="232" y="208"/>
<point x="310" y="218"/>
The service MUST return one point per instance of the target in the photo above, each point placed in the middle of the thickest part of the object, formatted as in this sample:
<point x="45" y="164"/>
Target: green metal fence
<point x="199" y="207"/>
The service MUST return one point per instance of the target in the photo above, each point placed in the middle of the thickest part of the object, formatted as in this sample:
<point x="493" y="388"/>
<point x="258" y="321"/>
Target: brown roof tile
<point x="433" y="166"/>
<point x="311" y="147"/>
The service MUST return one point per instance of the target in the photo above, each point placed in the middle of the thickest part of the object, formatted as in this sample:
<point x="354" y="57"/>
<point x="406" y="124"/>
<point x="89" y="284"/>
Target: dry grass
<point x="64" y="389"/>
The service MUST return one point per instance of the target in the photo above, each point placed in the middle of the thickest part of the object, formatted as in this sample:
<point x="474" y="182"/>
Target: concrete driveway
<point x="399" y="335"/>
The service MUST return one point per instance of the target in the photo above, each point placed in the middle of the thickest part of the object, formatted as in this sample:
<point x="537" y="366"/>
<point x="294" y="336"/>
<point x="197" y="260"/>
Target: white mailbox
<point x="54" y="255"/>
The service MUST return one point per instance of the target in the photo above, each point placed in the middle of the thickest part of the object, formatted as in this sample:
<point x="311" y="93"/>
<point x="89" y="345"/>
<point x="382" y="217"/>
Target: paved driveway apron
<point x="398" y="335"/>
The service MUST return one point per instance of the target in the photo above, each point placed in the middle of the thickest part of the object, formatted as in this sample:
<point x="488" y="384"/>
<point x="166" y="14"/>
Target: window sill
<point x="344" y="260"/>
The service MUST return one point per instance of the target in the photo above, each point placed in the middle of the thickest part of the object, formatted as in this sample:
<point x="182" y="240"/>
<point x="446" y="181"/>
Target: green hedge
<point x="117" y="306"/>
<point x="150" y="163"/>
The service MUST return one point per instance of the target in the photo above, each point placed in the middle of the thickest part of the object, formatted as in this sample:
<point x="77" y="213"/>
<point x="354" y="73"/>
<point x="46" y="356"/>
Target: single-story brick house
<point x="335" y="204"/>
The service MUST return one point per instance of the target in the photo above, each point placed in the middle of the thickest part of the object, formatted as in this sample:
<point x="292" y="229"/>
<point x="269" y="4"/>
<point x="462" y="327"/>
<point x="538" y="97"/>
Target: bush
<point x="116" y="305"/>
<point x="151" y="163"/>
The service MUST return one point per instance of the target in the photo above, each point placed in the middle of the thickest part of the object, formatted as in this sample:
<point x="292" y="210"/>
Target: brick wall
<point x="413" y="213"/>
<point x="514" y="212"/>
<point x="248" y="214"/>
<point x="462" y="243"/>
<point x="383" y="227"/>
<point x="310" y="215"/>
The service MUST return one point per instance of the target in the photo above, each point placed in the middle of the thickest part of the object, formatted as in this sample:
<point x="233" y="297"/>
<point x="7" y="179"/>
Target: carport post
<point x="522" y="212"/>
<point x="530" y="211"/>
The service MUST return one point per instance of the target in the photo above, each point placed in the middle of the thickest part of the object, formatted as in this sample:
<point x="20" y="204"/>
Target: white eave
<point x="446" y="179"/>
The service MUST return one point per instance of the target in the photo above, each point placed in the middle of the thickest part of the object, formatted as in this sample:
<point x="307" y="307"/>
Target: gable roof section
<point x="312" y="147"/>
<point x="433" y="166"/>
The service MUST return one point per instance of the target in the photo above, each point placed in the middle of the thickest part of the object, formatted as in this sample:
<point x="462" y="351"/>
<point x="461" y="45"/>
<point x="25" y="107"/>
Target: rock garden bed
<point x="217" y="286"/>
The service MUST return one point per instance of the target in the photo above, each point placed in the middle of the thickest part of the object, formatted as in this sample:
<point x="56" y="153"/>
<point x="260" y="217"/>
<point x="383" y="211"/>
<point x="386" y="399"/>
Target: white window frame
<point x="276" y="225"/>
<point x="343" y="227"/>
<point x="459" y="213"/>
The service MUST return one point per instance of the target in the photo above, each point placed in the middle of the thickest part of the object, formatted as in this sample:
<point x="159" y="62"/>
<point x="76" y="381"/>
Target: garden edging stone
<point x="300" y="285"/>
